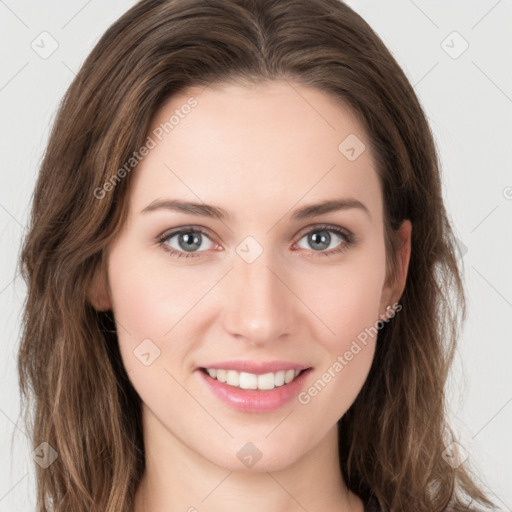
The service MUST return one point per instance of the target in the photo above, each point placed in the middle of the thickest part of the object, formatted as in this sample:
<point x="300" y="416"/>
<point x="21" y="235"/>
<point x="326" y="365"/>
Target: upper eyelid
<point x="326" y="226"/>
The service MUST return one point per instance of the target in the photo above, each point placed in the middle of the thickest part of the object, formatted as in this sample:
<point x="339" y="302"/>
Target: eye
<point x="326" y="237"/>
<point x="189" y="241"/>
<point x="185" y="242"/>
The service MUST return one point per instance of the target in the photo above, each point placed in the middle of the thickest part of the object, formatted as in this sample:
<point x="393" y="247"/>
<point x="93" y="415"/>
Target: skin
<point x="259" y="152"/>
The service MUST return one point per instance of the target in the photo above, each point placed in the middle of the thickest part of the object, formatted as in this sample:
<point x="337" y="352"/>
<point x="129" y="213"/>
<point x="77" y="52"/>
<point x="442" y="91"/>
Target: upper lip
<point x="258" y="368"/>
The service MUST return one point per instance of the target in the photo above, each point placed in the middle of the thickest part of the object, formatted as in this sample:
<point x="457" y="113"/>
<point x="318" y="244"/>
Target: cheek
<point x="349" y="306"/>
<point x="149" y="295"/>
<point x="145" y="306"/>
<point x="346" y="298"/>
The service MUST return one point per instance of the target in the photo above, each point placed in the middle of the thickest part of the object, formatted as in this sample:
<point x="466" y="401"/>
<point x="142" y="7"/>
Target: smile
<point x="245" y="380"/>
<point x="255" y="392"/>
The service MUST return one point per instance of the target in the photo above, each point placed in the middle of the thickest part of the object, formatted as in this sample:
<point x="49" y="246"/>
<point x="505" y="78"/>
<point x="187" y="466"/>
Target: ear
<point x="99" y="292"/>
<point x="393" y="289"/>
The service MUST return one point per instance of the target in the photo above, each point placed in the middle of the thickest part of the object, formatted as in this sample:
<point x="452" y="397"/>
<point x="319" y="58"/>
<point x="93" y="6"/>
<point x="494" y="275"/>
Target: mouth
<point x="255" y="392"/>
<point x="253" y="381"/>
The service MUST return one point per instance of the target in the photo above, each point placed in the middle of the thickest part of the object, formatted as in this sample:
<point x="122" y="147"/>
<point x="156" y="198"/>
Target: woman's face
<point x="258" y="280"/>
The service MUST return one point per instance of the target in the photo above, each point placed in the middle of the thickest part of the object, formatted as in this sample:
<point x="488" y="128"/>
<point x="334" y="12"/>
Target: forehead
<point x="256" y="146"/>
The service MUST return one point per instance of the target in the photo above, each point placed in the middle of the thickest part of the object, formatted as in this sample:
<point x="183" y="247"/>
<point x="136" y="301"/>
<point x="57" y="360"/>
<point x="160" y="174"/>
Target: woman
<point x="242" y="283"/>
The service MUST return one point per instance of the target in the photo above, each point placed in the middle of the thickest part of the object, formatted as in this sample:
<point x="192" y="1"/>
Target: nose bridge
<point x="259" y="305"/>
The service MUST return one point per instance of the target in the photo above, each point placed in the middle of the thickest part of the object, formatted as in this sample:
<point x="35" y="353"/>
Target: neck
<point x="178" y="478"/>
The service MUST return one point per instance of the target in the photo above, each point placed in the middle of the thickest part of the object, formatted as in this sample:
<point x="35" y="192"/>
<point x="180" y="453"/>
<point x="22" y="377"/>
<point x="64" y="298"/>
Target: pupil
<point x="323" y="239"/>
<point x="189" y="242"/>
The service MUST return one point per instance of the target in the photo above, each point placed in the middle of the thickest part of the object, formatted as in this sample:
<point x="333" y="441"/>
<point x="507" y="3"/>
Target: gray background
<point x="467" y="96"/>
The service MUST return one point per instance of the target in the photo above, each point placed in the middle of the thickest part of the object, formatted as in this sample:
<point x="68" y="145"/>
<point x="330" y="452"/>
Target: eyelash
<point x="348" y="237"/>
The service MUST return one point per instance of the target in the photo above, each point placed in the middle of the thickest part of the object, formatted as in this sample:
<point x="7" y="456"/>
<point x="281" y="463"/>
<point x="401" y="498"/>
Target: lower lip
<point x="255" y="400"/>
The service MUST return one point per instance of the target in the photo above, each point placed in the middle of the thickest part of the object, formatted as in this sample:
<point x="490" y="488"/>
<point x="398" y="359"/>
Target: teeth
<point x="232" y="378"/>
<point x="244" y="380"/>
<point x="289" y="376"/>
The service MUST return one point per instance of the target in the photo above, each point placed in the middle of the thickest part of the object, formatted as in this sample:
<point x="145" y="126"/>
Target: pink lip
<point x="255" y="400"/>
<point x="255" y="367"/>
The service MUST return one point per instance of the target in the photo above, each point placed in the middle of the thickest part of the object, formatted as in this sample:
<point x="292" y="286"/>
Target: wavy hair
<point x="76" y="393"/>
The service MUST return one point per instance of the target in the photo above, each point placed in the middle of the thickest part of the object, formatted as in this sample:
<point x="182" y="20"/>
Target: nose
<point x="258" y="304"/>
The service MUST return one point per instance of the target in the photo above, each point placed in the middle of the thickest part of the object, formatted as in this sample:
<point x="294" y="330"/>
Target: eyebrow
<point x="207" y="210"/>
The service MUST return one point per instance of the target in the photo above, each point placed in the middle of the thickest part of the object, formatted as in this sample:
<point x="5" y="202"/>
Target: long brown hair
<point x="71" y="375"/>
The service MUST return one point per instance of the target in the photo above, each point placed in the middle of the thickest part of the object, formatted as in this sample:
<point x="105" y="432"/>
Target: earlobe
<point x="98" y="292"/>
